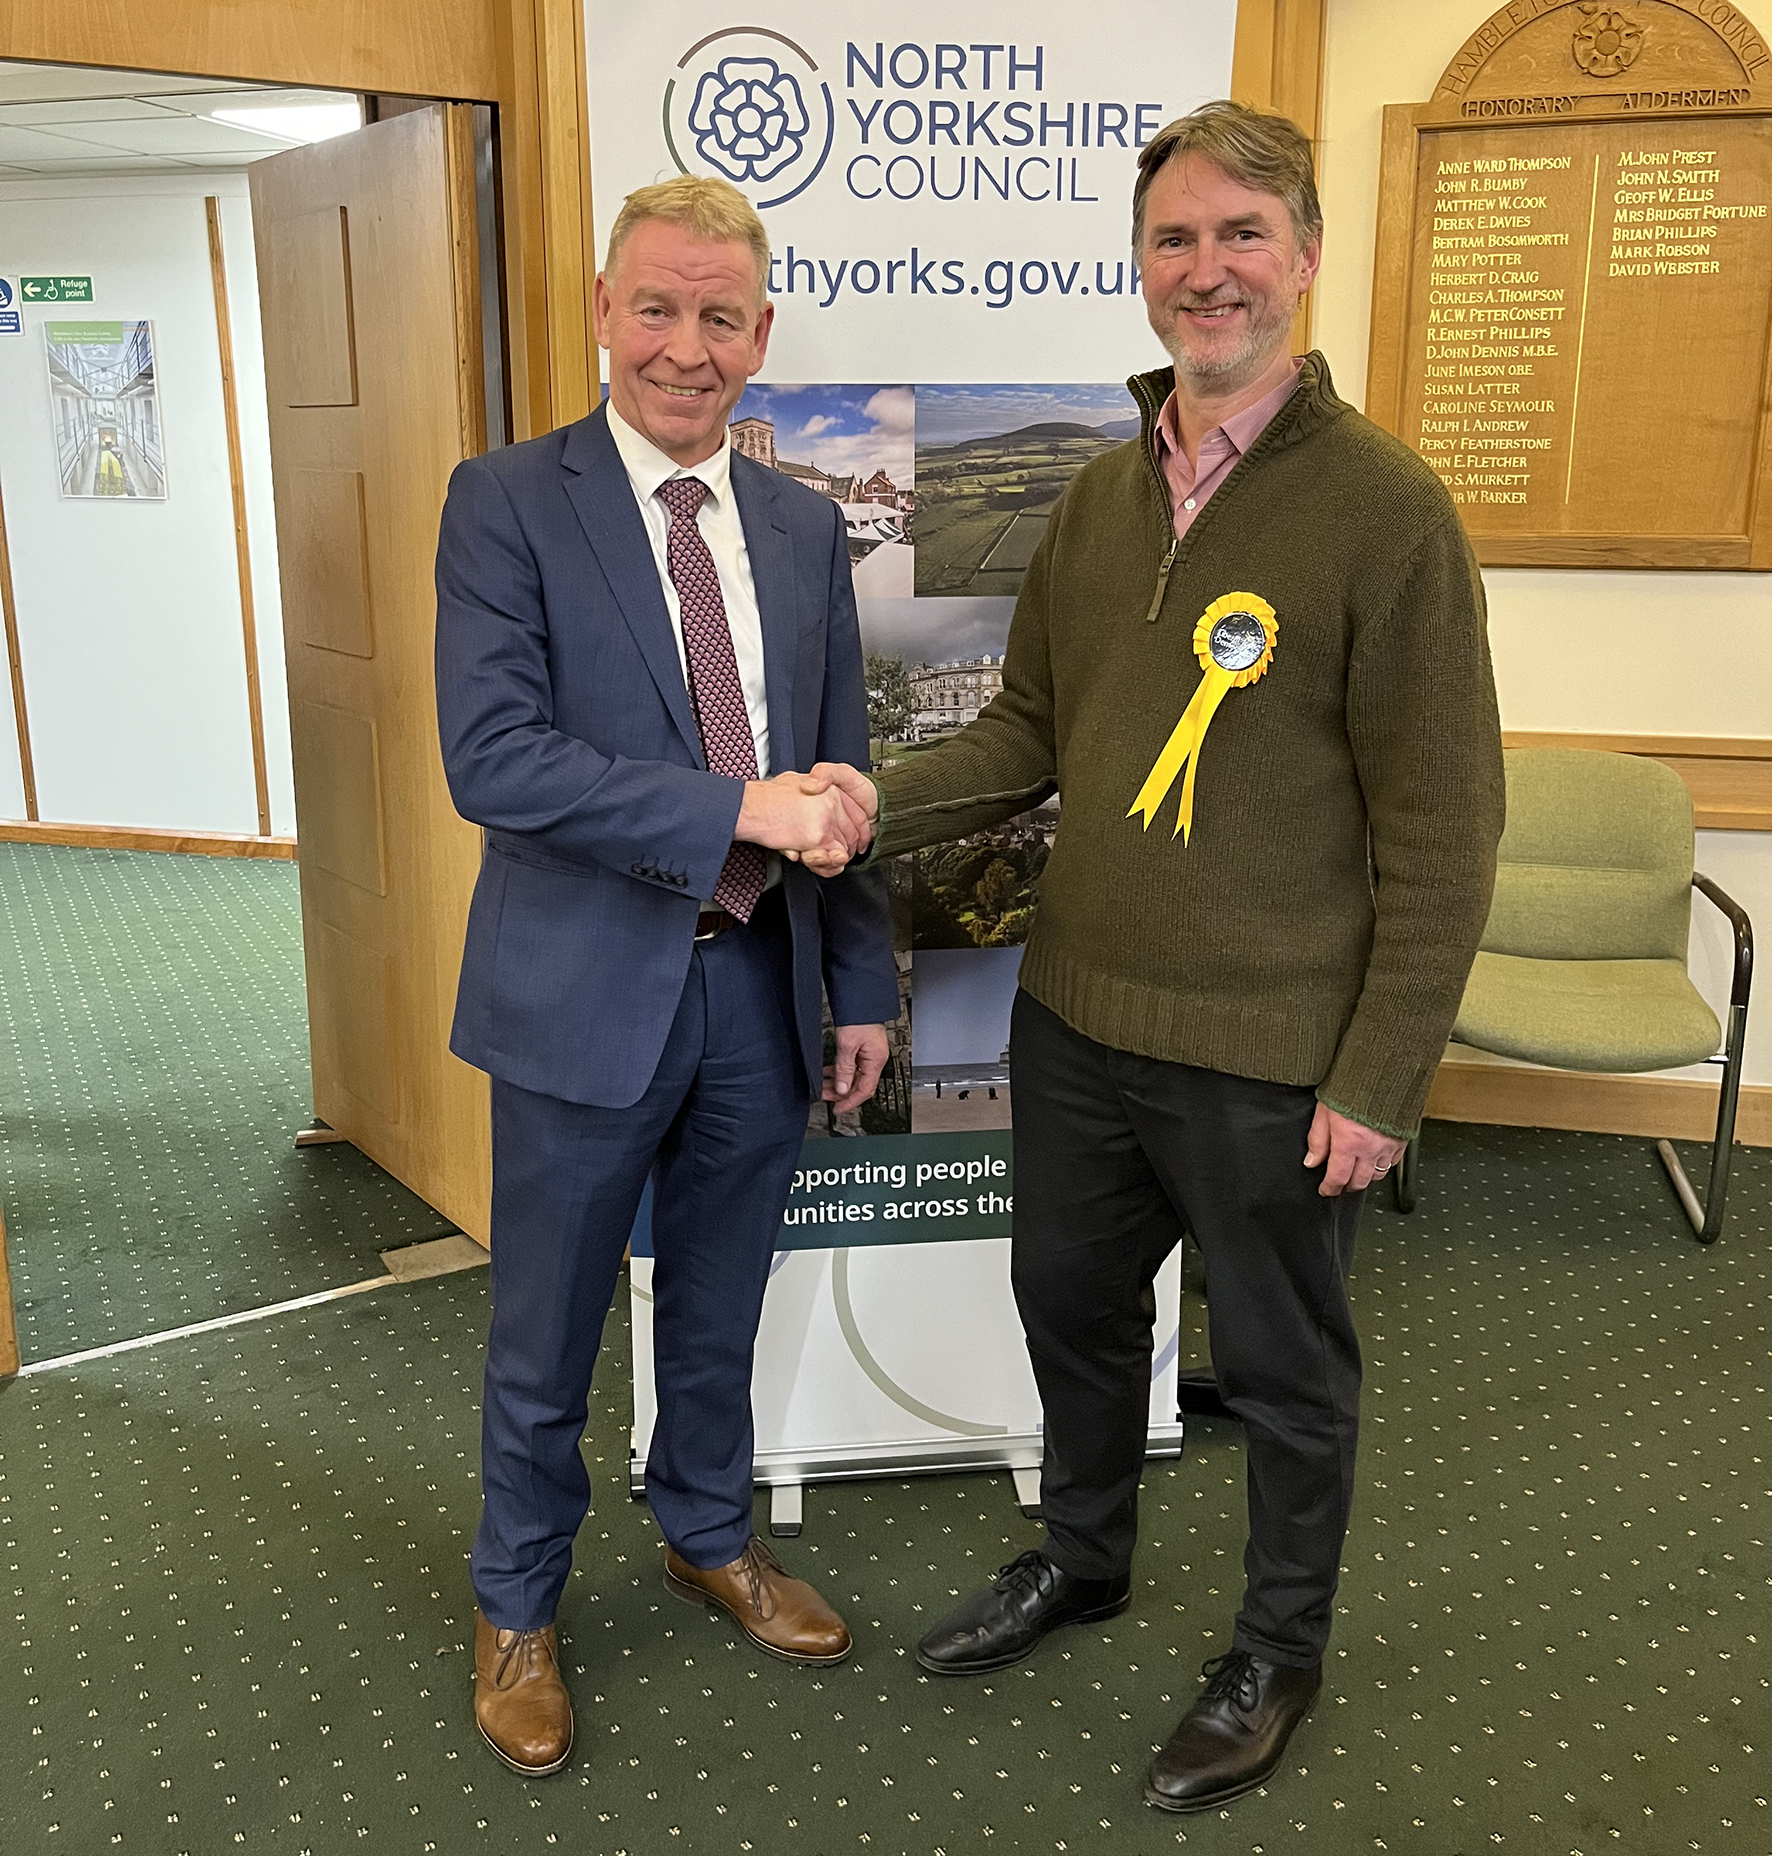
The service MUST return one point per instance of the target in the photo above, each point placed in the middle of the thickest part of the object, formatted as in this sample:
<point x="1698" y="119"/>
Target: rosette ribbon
<point x="1234" y="642"/>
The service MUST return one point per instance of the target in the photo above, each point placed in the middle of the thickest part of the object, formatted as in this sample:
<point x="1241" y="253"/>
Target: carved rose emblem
<point x="749" y="119"/>
<point x="1607" y="41"/>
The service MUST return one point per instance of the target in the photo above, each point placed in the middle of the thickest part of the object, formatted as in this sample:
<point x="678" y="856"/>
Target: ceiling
<point x="67" y="120"/>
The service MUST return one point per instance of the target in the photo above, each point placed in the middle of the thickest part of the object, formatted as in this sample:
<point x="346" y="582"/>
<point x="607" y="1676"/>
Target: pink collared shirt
<point x="1190" y="485"/>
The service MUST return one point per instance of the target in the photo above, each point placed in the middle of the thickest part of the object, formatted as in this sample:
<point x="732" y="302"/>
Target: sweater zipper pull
<point x="1150" y="618"/>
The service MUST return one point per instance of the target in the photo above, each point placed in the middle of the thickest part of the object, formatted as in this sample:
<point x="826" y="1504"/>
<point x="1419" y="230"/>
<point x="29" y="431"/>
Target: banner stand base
<point x="786" y="1509"/>
<point x="785" y="1473"/>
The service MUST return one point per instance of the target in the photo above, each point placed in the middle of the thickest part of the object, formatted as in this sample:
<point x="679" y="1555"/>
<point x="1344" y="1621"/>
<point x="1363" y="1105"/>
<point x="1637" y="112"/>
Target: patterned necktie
<point x="714" y="685"/>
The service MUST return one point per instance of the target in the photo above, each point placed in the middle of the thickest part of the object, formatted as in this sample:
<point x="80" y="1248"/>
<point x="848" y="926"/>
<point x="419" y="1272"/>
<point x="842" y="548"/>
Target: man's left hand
<point x="861" y="1056"/>
<point x="1356" y="1154"/>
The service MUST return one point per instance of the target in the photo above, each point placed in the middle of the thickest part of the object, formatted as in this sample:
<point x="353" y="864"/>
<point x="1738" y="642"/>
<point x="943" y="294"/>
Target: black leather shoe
<point x="1233" y="1738"/>
<point x="997" y="1627"/>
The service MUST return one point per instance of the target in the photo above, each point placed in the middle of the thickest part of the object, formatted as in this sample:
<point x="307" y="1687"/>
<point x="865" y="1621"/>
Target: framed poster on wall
<point x="105" y="406"/>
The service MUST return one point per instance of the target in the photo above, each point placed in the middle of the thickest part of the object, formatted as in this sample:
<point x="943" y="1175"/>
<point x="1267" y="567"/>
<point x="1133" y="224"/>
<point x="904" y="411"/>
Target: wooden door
<point x="369" y="293"/>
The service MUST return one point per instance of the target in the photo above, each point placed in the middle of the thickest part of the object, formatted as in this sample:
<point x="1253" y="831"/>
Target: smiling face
<point x="681" y="320"/>
<point x="1222" y="274"/>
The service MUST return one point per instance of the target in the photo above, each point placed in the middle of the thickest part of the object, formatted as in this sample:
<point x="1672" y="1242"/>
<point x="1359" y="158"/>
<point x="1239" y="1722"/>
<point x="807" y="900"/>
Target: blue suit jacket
<point x="567" y="733"/>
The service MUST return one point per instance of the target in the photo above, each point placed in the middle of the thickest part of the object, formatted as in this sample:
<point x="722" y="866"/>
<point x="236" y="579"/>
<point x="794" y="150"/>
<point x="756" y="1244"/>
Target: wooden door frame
<point x="1277" y="64"/>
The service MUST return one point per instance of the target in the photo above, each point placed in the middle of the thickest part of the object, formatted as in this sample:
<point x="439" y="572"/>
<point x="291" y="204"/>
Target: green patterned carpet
<point x="240" y="1609"/>
<point x="153" y="1072"/>
<point x="237" y="1563"/>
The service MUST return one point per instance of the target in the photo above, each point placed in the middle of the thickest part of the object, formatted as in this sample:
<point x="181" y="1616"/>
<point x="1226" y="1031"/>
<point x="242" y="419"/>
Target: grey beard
<point x="1242" y="364"/>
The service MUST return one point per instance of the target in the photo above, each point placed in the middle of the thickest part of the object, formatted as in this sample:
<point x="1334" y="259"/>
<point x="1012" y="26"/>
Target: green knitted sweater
<point x="1318" y="924"/>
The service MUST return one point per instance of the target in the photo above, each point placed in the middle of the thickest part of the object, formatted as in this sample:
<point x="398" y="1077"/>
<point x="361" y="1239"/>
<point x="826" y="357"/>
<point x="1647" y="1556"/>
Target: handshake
<point x="821" y="819"/>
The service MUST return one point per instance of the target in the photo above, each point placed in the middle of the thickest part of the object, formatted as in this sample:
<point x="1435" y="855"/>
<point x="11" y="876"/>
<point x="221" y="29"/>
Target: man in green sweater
<point x="1250" y="656"/>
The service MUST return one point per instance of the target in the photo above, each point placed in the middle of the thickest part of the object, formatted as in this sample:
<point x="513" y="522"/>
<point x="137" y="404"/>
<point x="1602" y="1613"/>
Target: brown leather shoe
<point x="521" y="1705"/>
<point x="784" y="1616"/>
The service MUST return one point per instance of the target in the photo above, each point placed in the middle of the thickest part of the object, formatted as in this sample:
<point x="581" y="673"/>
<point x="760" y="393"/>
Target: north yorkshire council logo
<point x="748" y="104"/>
<point x="749" y="119"/>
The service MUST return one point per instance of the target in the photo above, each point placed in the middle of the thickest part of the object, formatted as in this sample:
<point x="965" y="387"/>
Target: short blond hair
<point x="703" y="207"/>
<point x="1269" y="153"/>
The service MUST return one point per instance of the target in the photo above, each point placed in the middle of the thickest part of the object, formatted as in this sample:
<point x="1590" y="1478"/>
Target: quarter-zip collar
<point x="1312" y="405"/>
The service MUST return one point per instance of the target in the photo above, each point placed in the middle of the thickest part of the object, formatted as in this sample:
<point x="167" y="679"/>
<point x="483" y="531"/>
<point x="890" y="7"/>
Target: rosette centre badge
<point x="1234" y="642"/>
<point x="751" y="106"/>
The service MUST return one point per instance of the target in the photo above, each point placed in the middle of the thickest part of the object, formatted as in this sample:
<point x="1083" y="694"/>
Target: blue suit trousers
<point x="718" y="1131"/>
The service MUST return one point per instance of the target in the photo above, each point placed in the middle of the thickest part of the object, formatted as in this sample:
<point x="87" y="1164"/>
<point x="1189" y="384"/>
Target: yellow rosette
<point x="1234" y="642"/>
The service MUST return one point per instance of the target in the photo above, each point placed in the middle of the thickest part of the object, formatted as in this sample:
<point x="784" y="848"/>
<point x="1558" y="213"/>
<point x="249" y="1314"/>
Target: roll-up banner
<point x="947" y="193"/>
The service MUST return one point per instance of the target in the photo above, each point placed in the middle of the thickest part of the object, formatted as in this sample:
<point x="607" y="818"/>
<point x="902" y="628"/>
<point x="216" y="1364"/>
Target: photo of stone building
<point x="947" y="696"/>
<point x="853" y="444"/>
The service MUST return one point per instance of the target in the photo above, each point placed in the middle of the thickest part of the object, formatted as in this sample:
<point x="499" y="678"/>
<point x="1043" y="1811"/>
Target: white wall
<point x="1574" y="650"/>
<point x="129" y="612"/>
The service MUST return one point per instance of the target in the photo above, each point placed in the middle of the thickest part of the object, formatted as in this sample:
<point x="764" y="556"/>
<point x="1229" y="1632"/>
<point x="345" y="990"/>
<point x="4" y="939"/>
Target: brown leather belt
<point x="711" y="922"/>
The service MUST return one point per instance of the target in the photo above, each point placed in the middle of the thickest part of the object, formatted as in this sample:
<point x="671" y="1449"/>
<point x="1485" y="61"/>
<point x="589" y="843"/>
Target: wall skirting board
<point x="1674" y="1108"/>
<point x="146" y="838"/>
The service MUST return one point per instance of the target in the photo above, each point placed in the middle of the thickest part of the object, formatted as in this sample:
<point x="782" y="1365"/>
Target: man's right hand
<point x="805" y="816"/>
<point x="854" y="785"/>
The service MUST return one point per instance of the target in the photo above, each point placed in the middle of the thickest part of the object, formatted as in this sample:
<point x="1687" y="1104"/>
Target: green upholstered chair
<point x="1583" y="963"/>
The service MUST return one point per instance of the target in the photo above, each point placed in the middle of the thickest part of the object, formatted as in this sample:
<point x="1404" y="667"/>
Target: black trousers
<point x="1115" y="1154"/>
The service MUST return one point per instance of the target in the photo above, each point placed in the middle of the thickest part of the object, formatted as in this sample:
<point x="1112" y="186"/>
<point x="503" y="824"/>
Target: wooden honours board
<point x="1572" y="307"/>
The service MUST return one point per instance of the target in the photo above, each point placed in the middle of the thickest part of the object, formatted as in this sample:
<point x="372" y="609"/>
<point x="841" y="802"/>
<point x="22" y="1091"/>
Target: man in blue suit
<point x="641" y="637"/>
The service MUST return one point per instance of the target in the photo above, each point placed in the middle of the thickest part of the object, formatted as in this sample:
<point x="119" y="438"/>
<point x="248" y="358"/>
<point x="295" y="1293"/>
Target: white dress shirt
<point x="721" y="529"/>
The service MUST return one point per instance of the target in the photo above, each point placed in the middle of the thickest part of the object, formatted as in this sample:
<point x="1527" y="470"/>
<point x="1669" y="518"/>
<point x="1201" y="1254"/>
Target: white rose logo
<point x="748" y="118"/>
<point x="759" y="112"/>
<point x="1607" y="41"/>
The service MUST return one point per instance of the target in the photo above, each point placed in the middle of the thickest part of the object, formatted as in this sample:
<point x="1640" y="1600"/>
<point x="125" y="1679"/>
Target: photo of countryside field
<point x="991" y="462"/>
